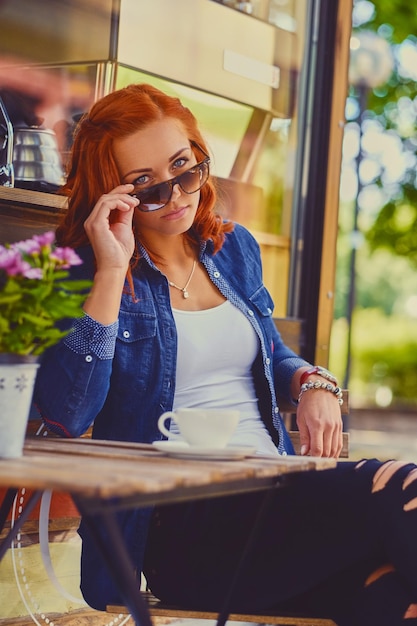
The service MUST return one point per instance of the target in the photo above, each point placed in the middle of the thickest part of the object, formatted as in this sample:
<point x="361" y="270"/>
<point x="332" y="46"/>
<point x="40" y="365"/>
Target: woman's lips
<point x="175" y="214"/>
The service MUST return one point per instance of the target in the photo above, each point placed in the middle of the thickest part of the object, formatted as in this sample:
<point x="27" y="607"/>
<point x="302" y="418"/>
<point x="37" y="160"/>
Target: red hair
<point x="93" y="171"/>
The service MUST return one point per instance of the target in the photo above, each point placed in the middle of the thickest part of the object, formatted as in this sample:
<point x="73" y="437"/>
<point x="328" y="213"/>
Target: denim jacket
<point x="121" y="377"/>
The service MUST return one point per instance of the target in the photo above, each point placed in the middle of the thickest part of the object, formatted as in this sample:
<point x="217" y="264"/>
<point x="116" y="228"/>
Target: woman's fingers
<point x="325" y="441"/>
<point x="117" y="200"/>
<point x="320" y="425"/>
<point x="109" y="227"/>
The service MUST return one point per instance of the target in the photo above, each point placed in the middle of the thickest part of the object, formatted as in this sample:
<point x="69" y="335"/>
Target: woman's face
<point x="153" y="155"/>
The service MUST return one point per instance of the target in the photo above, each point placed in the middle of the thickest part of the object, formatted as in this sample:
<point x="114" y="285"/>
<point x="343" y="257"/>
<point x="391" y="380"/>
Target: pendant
<point x="186" y="294"/>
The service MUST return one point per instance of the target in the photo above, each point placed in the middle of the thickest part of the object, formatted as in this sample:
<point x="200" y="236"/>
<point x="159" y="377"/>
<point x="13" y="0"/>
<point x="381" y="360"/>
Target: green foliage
<point x="384" y="325"/>
<point x="382" y="280"/>
<point x="393" y="107"/>
<point x="400" y="14"/>
<point x="35" y="295"/>
<point x="395" y="228"/>
<point x="385" y="349"/>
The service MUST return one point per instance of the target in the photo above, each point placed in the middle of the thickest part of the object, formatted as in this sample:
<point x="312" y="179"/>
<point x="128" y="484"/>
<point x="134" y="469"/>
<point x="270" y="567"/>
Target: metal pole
<point x="355" y="238"/>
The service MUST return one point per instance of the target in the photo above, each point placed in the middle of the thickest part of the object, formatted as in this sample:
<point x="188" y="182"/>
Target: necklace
<point x="185" y="293"/>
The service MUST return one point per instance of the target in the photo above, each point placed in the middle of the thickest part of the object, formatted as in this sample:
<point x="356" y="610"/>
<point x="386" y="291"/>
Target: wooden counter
<point x="24" y="213"/>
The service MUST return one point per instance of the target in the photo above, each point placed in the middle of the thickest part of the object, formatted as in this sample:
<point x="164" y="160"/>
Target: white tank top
<point x="216" y="350"/>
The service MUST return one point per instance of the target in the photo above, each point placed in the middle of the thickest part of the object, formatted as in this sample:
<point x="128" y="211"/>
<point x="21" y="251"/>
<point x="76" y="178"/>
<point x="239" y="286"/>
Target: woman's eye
<point x="141" y="180"/>
<point x="180" y="163"/>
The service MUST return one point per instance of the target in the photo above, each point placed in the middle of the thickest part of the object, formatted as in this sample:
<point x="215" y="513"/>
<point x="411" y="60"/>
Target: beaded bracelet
<point x="321" y="385"/>
<point x="320" y="371"/>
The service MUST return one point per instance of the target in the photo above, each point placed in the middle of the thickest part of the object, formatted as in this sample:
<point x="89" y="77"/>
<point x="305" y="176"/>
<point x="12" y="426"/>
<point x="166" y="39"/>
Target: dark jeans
<point x="324" y="533"/>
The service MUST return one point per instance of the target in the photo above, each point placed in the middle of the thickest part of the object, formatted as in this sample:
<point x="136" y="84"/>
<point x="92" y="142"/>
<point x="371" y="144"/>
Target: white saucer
<point x="182" y="450"/>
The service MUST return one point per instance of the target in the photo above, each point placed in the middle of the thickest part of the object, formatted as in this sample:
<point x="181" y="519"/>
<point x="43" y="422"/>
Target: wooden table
<point x="104" y="477"/>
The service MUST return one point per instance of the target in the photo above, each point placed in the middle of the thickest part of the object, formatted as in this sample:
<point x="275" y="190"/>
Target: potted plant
<point x="35" y="294"/>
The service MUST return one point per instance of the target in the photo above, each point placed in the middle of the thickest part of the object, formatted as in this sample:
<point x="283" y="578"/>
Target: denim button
<point x="284" y="453"/>
<point x="216" y="274"/>
<point x="88" y="358"/>
<point x="250" y="312"/>
<point x="276" y="410"/>
<point x="126" y="334"/>
<point x="267" y="360"/>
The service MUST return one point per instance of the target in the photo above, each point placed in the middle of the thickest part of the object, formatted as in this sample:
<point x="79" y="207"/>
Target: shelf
<point x="24" y="213"/>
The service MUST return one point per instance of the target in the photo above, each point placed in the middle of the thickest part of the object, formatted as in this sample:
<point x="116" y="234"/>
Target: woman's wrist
<point x="103" y="301"/>
<point x="316" y="385"/>
<point x="317" y="370"/>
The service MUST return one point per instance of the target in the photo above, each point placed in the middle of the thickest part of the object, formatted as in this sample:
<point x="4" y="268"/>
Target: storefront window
<point x="242" y="81"/>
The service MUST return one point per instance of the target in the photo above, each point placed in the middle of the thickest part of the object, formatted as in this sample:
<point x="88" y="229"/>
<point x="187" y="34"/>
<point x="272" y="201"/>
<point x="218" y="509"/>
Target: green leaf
<point x="6" y="299"/>
<point x="74" y="285"/>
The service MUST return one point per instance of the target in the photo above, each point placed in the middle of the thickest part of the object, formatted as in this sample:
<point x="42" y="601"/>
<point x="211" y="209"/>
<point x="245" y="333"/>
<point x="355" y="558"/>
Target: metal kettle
<point x="6" y="149"/>
<point x="36" y="157"/>
<point x="30" y="157"/>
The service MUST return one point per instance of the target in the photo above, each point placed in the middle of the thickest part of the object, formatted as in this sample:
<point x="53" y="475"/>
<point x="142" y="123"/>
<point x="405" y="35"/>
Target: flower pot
<point x="17" y="379"/>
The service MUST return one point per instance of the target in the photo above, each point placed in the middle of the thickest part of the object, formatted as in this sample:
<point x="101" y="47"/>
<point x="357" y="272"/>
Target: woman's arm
<point x="318" y="411"/>
<point x="109" y="229"/>
<point x="71" y="389"/>
<point x="73" y="380"/>
<point x="319" y="418"/>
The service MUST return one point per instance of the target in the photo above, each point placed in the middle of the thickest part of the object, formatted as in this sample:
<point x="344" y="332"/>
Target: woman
<point x="178" y="316"/>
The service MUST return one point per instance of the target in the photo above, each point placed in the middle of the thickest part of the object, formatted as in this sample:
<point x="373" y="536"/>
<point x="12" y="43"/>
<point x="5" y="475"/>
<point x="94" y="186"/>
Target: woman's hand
<point x="109" y="229"/>
<point x="319" y="421"/>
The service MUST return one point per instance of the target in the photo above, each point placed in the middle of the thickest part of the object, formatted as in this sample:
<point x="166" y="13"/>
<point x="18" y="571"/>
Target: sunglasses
<point x="156" y="197"/>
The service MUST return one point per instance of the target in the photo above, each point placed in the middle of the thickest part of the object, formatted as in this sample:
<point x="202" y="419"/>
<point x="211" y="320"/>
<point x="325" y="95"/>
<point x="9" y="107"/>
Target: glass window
<point x="242" y="81"/>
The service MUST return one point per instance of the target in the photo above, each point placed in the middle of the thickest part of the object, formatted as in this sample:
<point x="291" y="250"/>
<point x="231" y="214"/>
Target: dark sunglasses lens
<point x="194" y="179"/>
<point x="154" y="198"/>
<point x="158" y="196"/>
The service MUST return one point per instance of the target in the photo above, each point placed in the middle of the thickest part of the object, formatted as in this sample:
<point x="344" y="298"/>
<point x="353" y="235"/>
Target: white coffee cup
<point x="206" y="428"/>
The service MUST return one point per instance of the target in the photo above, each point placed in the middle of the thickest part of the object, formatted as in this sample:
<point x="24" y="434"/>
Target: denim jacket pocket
<point x="263" y="302"/>
<point x="135" y="338"/>
<point x="137" y="345"/>
<point x="136" y="327"/>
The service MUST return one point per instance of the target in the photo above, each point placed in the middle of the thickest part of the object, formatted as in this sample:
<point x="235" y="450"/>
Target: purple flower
<point x="33" y="247"/>
<point x="12" y="263"/>
<point x="46" y="239"/>
<point x="28" y="246"/>
<point x="33" y="273"/>
<point x="7" y="257"/>
<point x="66" y="257"/>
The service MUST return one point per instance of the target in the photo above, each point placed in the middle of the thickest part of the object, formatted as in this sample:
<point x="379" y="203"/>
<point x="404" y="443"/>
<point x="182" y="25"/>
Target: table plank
<point x="138" y="474"/>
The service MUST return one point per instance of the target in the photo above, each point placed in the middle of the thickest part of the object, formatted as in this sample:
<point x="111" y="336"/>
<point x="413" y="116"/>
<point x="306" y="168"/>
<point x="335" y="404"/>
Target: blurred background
<point x="374" y="334"/>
